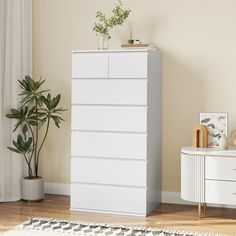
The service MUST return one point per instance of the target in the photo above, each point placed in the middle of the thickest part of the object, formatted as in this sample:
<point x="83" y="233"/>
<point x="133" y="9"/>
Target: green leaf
<point x="57" y="117"/>
<point x="49" y="98"/>
<point x="14" y="111"/>
<point x="24" y="85"/>
<point x="56" y="121"/>
<point x="39" y="102"/>
<point x="43" y="91"/>
<point x="28" y="143"/>
<point x="25" y="100"/>
<point x="31" y="104"/>
<point x="40" y="82"/>
<point x="13" y="149"/>
<point x="55" y="101"/>
<point x="18" y="146"/>
<point x="17" y="125"/>
<point x="25" y="129"/>
<point x="30" y="83"/>
<point x="59" y="110"/>
<point x="45" y="101"/>
<point x="41" y="123"/>
<point x="21" y="142"/>
<point x="25" y="93"/>
<point x="15" y="114"/>
<point x="33" y="123"/>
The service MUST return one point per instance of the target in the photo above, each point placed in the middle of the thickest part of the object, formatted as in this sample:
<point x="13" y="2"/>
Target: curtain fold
<point x="15" y="62"/>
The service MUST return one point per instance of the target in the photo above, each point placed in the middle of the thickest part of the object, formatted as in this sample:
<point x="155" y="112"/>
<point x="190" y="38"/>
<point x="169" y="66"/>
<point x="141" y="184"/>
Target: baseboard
<point x="56" y="188"/>
<point x="167" y="197"/>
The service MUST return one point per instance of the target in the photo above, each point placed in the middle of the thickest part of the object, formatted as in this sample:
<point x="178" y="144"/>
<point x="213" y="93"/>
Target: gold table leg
<point x="202" y="209"/>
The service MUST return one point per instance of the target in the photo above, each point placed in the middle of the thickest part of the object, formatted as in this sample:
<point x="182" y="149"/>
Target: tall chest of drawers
<point x="116" y="131"/>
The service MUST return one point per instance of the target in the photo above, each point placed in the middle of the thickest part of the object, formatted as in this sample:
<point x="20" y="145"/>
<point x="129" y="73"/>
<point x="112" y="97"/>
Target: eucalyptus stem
<point x="40" y="147"/>
<point x="36" y="141"/>
<point x="32" y="134"/>
<point x="29" y="167"/>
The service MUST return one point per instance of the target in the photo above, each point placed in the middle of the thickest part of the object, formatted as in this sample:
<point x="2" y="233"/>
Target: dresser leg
<point x="202" y="209"/>
<point x="199" y="209"/>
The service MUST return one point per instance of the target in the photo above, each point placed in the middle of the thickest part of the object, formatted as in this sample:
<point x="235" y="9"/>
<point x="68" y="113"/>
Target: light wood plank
<point x="181" y="217"/>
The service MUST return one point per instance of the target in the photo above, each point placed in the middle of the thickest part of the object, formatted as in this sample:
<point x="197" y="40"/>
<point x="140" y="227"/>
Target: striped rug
<point x="54" y="227"/>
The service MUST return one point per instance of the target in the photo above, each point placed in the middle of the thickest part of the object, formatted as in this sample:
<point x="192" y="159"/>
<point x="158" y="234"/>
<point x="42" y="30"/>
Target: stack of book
<point x="137" y="45"/>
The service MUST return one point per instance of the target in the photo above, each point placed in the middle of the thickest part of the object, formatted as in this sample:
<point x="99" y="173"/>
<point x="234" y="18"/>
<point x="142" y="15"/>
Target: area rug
<point x="54" y="227"/>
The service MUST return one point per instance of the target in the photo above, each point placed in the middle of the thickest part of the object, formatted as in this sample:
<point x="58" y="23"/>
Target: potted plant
<point x="105" y="24"/>
<point x="34" y="115"/>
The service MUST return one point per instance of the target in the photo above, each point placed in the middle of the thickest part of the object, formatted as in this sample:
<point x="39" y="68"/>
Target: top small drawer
<point x="90" y="65"/>
<point x="221" y="168"/>
<point x="128" y="65"/>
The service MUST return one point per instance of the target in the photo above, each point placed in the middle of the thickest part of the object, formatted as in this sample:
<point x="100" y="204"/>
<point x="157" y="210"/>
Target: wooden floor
<point x="179" y="217"/>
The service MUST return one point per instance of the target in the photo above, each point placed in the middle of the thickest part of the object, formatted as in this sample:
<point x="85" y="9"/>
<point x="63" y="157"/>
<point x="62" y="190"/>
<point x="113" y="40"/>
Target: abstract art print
<point x="216" y="123"/>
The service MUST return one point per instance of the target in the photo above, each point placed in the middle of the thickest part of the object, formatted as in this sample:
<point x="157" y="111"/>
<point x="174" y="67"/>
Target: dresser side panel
<point x="154" y="127"/>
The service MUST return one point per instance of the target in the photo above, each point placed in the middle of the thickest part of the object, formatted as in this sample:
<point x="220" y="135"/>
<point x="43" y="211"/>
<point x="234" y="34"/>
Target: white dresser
<point x="116" y="131"/>
<point x="208" y="175"/>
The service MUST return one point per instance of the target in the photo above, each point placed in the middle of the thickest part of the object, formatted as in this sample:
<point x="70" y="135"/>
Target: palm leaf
<point x="18" y="146"/>
<point x="14" y="149"/>
<point x="55" y="101"/>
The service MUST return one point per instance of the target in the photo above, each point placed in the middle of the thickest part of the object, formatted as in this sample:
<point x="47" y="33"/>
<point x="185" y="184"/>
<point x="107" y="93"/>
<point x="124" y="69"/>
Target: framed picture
<point x="217" y="125"/>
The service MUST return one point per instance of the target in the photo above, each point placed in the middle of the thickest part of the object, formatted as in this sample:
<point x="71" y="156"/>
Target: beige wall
<point x="198" y="42"/>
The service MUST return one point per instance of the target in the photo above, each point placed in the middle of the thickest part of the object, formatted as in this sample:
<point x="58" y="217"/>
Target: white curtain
<point x="15" y="62"/>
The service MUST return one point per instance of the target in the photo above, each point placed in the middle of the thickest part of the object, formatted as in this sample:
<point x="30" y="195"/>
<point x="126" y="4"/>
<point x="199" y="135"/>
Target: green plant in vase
<point x="104" y="24"/>
<point x="37" y="109"/>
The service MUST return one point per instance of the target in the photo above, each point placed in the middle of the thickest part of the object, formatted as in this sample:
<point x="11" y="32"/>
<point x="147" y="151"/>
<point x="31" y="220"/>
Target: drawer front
<point x="133" y="119"/>
<point x="128" y="65"/>
<point x="105" y="171"/>
<point x="116" y="145"/>
<point x="108" y="198"/>
<point x="109" y="92"/>
<point x="85" y="65"/>
<point x="220" y="192"/>
<point x="221" y="168"/>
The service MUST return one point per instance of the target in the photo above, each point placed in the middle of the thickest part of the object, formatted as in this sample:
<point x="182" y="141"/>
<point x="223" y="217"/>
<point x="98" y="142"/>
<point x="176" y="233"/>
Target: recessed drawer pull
<point x="234" y="193"/>
<point x="234" y="169"/>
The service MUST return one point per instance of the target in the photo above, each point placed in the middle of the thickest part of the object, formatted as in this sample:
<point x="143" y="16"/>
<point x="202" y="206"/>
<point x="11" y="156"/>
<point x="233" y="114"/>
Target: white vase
<point x="222" y="142"/>
<point x="102" y="42"/>
<point x="32" y="189"/>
